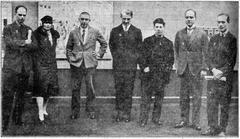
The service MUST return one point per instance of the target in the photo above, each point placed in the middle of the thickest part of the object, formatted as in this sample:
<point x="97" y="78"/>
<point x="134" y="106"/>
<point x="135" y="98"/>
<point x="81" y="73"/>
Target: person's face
<point x="126" y="19"/>
<point x="47" y="26"/>
<point x="21" y="15"/>
<point x="190" y="18"/>
<point x="222" y="23"/>
<point x="84" y="20"/>
<point x="159" y="29"/>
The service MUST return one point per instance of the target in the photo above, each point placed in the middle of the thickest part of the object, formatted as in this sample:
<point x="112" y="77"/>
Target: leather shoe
<point x="222" y="134"/>
<point x="118" y="119"/>
<point x="143" y="124"/>
<point x="157" y="122"/>
<point x="196" y="127"/>
<point x="92" y="115"/>
<point x="127" y="120"/>
<point x="180" y="124"/>
<point x="209" y="132"/>
<point x="119" y="116"/>
<point x="74" y="117"/>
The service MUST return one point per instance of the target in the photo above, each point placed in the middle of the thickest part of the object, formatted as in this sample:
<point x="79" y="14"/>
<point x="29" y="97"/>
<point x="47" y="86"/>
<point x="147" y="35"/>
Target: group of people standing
<point x="194" y="54"/>
<point x="28" y="50"/>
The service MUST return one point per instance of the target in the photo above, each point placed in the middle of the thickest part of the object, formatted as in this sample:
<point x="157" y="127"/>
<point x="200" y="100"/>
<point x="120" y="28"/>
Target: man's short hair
<point x="195" y="13"/>
<point x="225" y="14"/>
<point x="86" y="13"/>
<point x="159" y="20"/>
<point x="126" y="12"/>
<point x="19" y="6"/>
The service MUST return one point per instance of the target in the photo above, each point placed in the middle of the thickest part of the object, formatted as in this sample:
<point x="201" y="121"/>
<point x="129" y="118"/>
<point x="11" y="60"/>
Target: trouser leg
<point x="9" y="80"/>
<point x="196" y="84"/>
<point x="20" y="101"/>
<point x="7" y="100"/>
<point x="159" y="95"/>
<point x="184" y="98"/>
<point x="129" y="77"/>
<point x="224" y="106"/>
<point x="90" y="89"/>
<point x="212" y="105"/>
<point x="76" y="80"/>
<point x="119" y="88"/>
<point x="145" y="100"/>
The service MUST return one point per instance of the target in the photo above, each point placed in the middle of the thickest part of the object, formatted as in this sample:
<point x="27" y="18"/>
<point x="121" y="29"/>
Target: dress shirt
<point x="190" y="29"/>
<point x="126" y="28"/>
<point x="223" y="34"/>
<point x="86" y="32"/>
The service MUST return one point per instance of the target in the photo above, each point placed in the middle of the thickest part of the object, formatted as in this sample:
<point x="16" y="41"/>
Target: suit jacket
<point x="77" y="51"/>
<point x="158" y="55"/>
<point x="17" y="54"/>
<point x="125" y="47"/>
<point x="191" y="51"/>
<point x="222" y="53"/>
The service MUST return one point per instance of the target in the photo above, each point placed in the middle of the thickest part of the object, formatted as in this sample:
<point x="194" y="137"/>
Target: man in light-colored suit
<point x="190" y="48"/>
<point x="82" y="57"/>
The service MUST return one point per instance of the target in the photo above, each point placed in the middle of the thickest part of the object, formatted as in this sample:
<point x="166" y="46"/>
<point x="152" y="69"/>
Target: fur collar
<point x="54" y="33"/>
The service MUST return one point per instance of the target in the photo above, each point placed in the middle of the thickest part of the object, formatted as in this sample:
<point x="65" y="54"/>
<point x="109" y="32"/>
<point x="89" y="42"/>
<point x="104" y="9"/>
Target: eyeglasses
<point x="127" y="19"/>
<point x="22" y="15"/>
<point x="86" y="19"/>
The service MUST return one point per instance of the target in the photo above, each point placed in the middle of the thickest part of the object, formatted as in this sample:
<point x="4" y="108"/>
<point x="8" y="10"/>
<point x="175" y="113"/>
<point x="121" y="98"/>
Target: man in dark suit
<point x="82" y="57"/>
<point x="124" y="43"/>
<point x="221" y="58"/>
<point x="16" y="67"/>
<point x="157" y="61"/>
<point x="190" y="48"/>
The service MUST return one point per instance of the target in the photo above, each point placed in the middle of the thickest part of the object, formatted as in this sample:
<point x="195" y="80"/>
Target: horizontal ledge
<point x="134" y="97"/>
<point x="100" y="59"/>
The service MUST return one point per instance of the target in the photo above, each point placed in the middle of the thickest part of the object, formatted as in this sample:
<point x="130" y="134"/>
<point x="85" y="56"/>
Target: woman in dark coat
<point x="45" y="66"/>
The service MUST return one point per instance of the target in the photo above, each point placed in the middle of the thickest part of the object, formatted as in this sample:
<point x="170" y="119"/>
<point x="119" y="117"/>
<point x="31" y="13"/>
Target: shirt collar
<point x="86" y="29"/>
<point x="223" y="34"/>
<point x="128" y="26"/>
<point x="191" y="28"/>
<point x="19" y="23"/>
<point x="158" y="36"/>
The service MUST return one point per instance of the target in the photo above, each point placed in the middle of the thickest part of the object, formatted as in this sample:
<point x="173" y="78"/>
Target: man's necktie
<point x="50" y="37"/>
<point x="83" y="34"/>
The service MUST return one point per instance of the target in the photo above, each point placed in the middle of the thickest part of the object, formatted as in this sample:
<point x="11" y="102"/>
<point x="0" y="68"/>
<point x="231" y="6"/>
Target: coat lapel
<point x="193" y="35"/>
<point x="185" y="37"/>
<point x="90" y="32"/>
<point x="121" y="28"/>
<point x="78" y="32"/>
